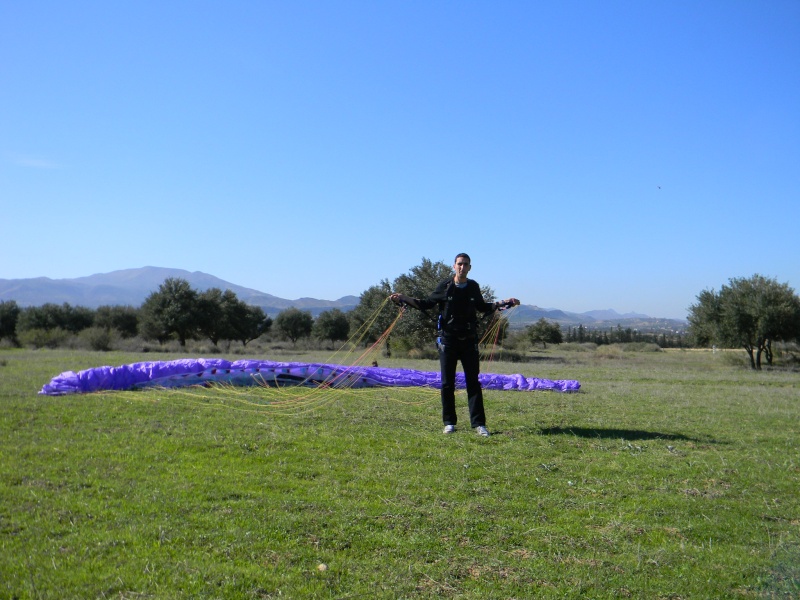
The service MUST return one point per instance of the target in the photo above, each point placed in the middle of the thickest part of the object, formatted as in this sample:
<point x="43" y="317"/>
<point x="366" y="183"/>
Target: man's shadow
<point x="624" y="434"/>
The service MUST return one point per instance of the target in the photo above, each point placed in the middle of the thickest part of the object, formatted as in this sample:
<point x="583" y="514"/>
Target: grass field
<point x="670" y="475"/>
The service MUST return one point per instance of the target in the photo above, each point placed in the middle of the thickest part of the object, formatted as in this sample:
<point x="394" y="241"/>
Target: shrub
<point x="788" y="353"/>
<point x="404" y="346"/>
<point x="610" y="351"/>
<point x="423" y="353"/>
<point x="100" y="339"/>
<point x="43" y="338"/>
<point x="206" y="349"/>
<point x="736" y="358"/>
<point x="517" y="341"/>
<point x="578" y="347"/>
<point x="506" y="355"/>
<point x="640" y="347"/>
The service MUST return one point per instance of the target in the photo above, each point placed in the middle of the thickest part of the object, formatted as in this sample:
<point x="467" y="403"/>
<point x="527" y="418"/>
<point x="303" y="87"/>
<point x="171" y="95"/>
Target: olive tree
<point x="748" y="312"/>
<point x="50" y="316"/>
<point x="416" y="329"/>
<point x="331" y="325"/>
<point x="213" y="321"/>
<point x="9" y="315"/>
<point x="294" y="323"/>
<point x="249" y="322"/>
<point x="544" y="332"/>
<point x="172" y="310"/>
<point x="124" y="319"/>
<point x="373" y="315"/>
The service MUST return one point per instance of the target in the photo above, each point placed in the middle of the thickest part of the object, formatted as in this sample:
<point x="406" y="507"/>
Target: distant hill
<point x="595" y="319"/>
<point x="611" y="315"/>
<point x="131" y="287"/>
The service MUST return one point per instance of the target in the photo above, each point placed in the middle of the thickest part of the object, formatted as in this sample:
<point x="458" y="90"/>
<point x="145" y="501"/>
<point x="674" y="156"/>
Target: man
<point x="459" y="300"/>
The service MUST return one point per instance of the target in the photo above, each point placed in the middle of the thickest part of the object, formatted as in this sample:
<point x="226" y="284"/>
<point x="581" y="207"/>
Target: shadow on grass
<point x="623" y="434"/>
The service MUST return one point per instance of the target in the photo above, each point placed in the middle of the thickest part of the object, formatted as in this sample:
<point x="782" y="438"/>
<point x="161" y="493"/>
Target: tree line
<point x="628" y="335"/>
<point x="175" y="312"/>
<point x="750" y="313"/>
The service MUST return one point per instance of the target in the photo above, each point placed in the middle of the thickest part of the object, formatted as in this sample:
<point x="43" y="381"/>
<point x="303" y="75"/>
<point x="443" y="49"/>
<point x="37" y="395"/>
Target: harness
<point x="449" y="324"/>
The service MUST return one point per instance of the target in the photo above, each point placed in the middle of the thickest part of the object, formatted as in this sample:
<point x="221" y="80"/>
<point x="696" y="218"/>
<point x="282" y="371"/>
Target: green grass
<point x="671" y="475"/>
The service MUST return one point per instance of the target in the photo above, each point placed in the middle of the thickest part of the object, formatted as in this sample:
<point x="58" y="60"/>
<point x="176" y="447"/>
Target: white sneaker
<point x="449" y="429"/>
<point x="481" y="430"/>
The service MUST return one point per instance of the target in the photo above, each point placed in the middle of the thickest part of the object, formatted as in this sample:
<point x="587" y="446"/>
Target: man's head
<point x="462" y="266"/>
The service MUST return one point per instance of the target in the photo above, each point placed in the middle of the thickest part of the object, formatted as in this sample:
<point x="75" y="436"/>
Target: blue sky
<point x="586" y="154"/>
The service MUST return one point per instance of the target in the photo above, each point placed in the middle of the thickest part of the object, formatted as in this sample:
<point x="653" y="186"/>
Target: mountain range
<point x="132" y="286"/>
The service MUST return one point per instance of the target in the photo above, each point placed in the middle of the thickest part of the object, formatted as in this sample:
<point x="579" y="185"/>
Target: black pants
<point x="450" y="352"/>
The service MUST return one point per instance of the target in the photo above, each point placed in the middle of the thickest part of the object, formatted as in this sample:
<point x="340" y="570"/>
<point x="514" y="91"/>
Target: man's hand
<point x="508" y="303"/>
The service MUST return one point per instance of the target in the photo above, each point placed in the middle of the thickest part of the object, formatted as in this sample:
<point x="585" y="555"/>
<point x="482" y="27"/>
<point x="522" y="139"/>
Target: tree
<point x="417" y="328"/>
<point x="51" y="316"/>
<point x="45" y="318"/>
<point x="77" y="318"/>
<point x="124" y="319"/>
<point x="212" y="320"/>
<point x="705" y="318"/>
<point x="332" y="325"/>
<point x="294" y="323"/>
<point x="172" y="310"/>
<point x="373" y="315"/>
<point x="749" y="312"/>
<point x="249" y="322"/>
<point x="222" y="316"/>
<point x="9" y="315"/>
<point x="544" y="332"/>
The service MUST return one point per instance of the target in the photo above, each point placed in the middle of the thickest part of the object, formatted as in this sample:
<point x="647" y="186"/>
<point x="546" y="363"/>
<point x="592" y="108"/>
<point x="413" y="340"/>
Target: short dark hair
<point x="462" y="255"/>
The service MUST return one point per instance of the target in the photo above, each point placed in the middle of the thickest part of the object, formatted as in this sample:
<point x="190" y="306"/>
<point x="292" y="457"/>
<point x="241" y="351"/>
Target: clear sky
<point x="586" y="154"/>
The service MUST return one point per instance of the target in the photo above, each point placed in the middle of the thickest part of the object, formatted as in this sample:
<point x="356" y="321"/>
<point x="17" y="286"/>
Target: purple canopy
<point x="203" y="371"/>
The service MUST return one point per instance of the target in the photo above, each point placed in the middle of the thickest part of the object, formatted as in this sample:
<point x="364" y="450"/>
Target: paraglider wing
<point x="203" y="371"/>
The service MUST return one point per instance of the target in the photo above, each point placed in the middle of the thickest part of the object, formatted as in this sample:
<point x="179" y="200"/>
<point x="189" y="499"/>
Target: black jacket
<point x="458" y="307"/>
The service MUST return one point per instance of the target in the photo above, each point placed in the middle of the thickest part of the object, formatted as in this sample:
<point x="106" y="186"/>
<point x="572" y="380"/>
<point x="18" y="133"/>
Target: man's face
<point x="461" y="268"/>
